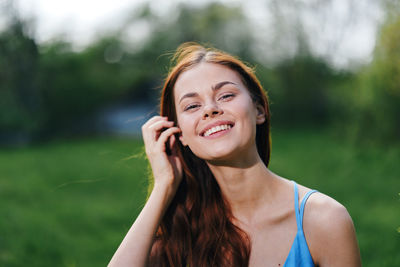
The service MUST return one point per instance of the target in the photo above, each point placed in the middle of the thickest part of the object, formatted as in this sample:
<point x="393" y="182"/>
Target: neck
<point x="247" y="185"/>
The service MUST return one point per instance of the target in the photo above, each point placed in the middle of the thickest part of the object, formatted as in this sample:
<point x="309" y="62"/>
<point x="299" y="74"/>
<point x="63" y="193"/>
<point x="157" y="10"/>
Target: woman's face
<point x="216" y="113"/>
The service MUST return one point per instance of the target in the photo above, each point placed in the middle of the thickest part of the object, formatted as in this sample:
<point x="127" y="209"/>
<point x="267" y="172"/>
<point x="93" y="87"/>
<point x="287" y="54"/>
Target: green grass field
<point x="69" y="203"/>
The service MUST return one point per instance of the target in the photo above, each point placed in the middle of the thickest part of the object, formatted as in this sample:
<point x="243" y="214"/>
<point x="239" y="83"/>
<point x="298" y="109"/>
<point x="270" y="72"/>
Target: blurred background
<point x="79" y="78"/>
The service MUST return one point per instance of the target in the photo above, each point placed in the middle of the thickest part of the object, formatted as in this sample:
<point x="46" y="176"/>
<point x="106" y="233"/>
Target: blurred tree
<point x="328" y="26"/>
<point x="19" y="96"/>
<point x="299" y="88"/>
<point x="378" y="95"/>
<point x="300" y="92"/>
<point x="223" y="26"/>
<point x="76" y="84"/>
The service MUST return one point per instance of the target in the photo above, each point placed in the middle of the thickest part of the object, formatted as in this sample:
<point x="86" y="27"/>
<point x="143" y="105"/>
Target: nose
<point x="211" y="110"/>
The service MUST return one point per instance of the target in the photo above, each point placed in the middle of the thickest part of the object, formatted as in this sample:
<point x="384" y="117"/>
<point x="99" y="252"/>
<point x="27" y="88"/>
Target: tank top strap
<point x="303" y="203"/>
<point x="300" y="213"/>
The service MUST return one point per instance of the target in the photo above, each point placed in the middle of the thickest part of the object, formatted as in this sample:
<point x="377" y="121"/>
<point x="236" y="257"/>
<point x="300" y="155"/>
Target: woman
<point x="214" y="201"/>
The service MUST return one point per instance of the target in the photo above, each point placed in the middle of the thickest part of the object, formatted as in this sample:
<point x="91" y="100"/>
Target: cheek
<point x="186" y="125"/>
<point x="244" y="108"/>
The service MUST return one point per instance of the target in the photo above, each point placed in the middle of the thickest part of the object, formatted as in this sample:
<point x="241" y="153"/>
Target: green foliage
<point x="70" y="203"/>
<point x="299" y="90"/>
<point x="19" y="98"/>
<point x="378" y="95"/>
<point x="225" y="27"/>
<point x="75" y="84"/>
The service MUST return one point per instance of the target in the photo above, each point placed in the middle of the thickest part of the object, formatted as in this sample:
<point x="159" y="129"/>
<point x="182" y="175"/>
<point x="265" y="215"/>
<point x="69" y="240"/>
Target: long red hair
<point x="197" y="228"/>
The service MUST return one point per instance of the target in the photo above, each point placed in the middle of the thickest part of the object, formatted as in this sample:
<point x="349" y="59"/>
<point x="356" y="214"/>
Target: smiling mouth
<point x="217" y="129"/>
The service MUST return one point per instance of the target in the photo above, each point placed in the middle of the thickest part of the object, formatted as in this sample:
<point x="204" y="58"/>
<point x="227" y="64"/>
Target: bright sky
<point x="81" y="20"/>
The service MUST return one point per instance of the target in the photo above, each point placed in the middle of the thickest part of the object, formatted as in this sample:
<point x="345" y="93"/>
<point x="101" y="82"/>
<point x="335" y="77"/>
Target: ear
<point x="260" y="119"/>
<point x="182" y="139"/>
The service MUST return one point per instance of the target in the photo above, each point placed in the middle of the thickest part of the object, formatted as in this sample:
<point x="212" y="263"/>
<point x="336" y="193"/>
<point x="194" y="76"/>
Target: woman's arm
<point x="167" y="171"/>
<point x="135" y="248"/>
<point x="330" y="233"/>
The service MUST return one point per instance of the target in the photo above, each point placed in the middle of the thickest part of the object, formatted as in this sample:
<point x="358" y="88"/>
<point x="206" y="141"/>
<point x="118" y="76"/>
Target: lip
<point x="214" y="124"/>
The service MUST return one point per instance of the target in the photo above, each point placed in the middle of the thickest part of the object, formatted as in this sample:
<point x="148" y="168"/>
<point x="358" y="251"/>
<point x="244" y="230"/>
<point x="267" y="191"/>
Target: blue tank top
<point x="299" y="254"/>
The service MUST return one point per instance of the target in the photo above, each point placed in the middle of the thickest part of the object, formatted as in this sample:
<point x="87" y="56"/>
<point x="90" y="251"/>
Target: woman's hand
<point x="158" y="133"/>
<point x="167" y="170"/>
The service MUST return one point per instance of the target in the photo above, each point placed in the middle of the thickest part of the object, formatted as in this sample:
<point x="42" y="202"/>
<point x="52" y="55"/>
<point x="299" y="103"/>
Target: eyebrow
<point x="213" y="88"/>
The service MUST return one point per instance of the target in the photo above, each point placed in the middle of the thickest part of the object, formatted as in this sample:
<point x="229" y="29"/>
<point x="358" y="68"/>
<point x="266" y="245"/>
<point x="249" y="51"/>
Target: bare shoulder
<point x="325" y="214"/>
<point x="330" y="232"/>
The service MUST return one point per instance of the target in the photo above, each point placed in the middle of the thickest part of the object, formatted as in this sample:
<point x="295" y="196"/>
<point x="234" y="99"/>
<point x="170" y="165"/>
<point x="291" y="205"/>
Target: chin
<point x="216" y="153"/>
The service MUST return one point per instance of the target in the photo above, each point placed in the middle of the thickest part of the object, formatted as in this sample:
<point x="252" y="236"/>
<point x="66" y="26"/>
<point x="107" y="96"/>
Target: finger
<point x="152" y="120"/>
<point x="167" y="134"/>
<point x="172" y="141"/>
<point x="158" y="125"/>
<point x="151" y="132"/>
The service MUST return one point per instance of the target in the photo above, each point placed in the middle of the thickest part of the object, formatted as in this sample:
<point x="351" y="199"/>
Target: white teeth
<point x="217" y="129"/>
